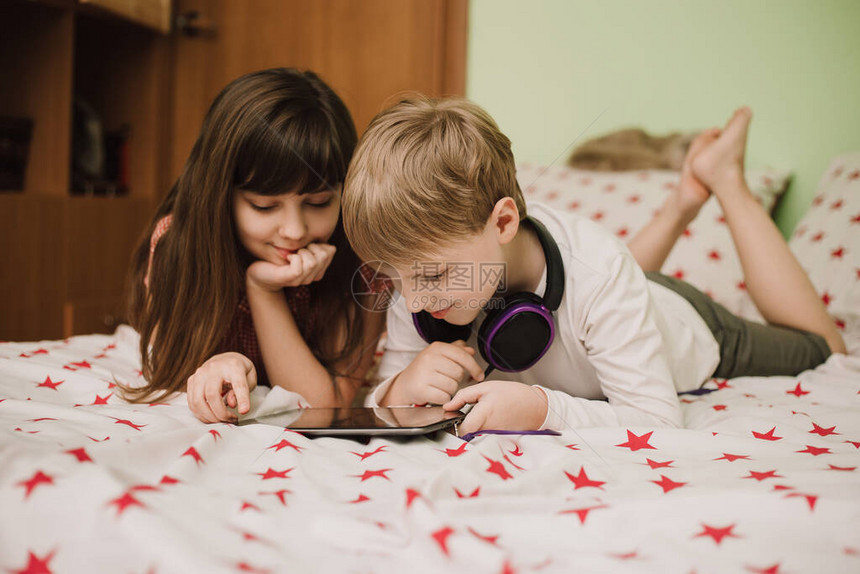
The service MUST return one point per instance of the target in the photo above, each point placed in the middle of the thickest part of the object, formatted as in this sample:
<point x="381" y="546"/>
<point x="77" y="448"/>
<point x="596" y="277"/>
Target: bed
<point x="764" y="478"/>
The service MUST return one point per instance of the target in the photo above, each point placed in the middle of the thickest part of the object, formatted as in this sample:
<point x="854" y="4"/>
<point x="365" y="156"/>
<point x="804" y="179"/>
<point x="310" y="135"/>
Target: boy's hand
<point x="500" y="405"/>
<point x="224" y="380"/>
<point x="302" y="268"/>
<point x="434" y="375"/>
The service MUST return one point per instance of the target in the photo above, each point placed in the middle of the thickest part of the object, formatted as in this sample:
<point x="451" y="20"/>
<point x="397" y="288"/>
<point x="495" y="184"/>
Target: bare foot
<point x="721" y="164"/>
<point x="692" y="194"/>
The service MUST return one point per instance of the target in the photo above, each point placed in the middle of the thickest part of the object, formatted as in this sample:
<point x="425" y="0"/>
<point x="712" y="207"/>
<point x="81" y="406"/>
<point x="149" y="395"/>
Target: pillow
<point x="624" y="202"/>
<point x="826" y="241"/>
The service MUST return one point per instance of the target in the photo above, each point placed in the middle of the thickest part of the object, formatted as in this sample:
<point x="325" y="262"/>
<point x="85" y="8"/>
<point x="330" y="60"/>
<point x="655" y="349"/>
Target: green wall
<point x="549" y="70"/>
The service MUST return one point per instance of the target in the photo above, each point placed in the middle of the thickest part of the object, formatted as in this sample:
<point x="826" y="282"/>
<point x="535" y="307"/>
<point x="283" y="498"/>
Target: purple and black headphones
<point x="516" y="334"/>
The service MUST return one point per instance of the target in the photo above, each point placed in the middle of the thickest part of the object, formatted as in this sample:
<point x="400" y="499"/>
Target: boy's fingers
<point x="466" y="360"/>
<point x="465" y="396"/>
<point x="476" y="420"/>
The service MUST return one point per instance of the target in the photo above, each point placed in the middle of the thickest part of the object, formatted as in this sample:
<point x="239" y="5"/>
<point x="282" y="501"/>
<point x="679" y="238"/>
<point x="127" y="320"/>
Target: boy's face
<point x="456" y="282"/>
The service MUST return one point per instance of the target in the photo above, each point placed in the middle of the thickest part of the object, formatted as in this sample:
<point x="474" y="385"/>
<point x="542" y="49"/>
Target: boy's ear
<point x="506" y="219"/>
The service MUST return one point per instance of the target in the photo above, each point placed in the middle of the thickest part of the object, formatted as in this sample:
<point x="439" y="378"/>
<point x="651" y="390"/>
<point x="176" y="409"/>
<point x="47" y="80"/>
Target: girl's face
<point x="272" y="227"/>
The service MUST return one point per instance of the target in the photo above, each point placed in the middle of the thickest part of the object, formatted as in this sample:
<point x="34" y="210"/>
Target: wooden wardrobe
<point x="152" y="67"/>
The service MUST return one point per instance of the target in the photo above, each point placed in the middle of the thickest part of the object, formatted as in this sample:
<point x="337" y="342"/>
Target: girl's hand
<point x="302" y="268"/>
<point x="500" y="405"/>
<point x="224" y="380"/>
<point x="434" y="375"/>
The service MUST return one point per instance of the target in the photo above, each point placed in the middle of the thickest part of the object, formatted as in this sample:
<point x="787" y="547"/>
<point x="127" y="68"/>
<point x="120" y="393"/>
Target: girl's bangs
<point x="303" y="154"/>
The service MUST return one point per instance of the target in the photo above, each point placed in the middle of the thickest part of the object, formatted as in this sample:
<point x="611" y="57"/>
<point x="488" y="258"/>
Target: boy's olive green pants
<point x="748" y="348"/>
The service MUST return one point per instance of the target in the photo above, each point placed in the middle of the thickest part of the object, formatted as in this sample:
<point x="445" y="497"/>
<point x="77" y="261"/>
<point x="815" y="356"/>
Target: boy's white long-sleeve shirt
<point x="624" y="346"/>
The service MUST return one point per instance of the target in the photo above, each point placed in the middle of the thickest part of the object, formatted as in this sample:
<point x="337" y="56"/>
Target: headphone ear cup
<point x="432" y="329"/>
<point x="512" y="338"/>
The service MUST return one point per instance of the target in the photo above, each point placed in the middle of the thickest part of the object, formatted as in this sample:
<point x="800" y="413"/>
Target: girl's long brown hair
<point x="271" y="132"/>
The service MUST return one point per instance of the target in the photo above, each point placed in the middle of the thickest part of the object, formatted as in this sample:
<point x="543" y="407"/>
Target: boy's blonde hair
<point x="425" y="173"/>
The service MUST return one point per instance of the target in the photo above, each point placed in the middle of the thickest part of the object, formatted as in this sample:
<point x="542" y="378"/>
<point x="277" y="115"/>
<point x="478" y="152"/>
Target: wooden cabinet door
<point x="369" y="51"/>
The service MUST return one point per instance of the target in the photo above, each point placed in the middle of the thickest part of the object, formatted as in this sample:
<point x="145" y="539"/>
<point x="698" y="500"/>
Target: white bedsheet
<point x="764" y="479"/>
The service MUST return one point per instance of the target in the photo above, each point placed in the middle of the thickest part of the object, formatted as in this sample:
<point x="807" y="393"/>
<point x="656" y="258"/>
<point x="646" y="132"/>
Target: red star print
<point x="365" y="455"/>
<point x="245" y="567"/>
<point x="679" y="274"/>
<point x="168" y="480"/>
<point x="654" y="464"/>
<point x="721" y="219"/>
<point x="837" y="253"/>
<point x="856" y="444"/>
<point x="441" y="538"/>
<point x="37" y="479"/>
<point x="411" y="495"/>
<point x="361" y="498"/>
<point x="512" y="463"/>
<point x="623" y="232"/>
<point x="124" y="502"/>
<point x="475" y="493"/>
<point x="80" y="454"/>
<point x="101" y="401"/>
<point x="797" y="391"/>
<point x="633" y="199"/>
<point x="581" y="480"/>
<point x="817" y="237"/>
<point x="856" y="218"/>
<point x="127" y="422"/>
<point x="74" y="366"/>
<point x="50" y="384"/>
<point x="811" y="499"/>
<point x="814" y="450"/>
<point x="498" y="468"/>
<point x="760" y="476"/>
<point x="488" y="539"/>
<point x="778" y="487"/>
<point x="854" y="175"/>
<point x="687" y="233"/>
<point x="839" y="323"/>
<point x="719" y="407"/>
<point x="724" y="384"/>
<point x="714" y="255"/>
<point x="845" y="468"/>
<point x="821" y="431"/>
<point x="582" y="513"/>
<point x="573" y="206"/>
<point x="717" y="533"/>
<point x="215" y="434"/>
<point x="272" y="473"/>
<point x="837" y="205"/>
<point x="284" y="444"/>
<point x="769" y="570"/>
<point x="368" y="474"/>
<point x="192" y="452"/>
<point x="667" y="484"/>
<point x="36" y="565"/>
<point x="733" y="457"/>
<point x="516" y="451"/>
<point x="572" y="446"/>
<point x="741" y="285"/>
<point x="248" y="506"/>
<point x="281" y="494"/>
<point x="551" y="196"/>
<point x="597" y="215"/>
<point x="767" y="436"/>
<point x="456" y="452"/>
<point x="635" y="443"/>
<point x="625" y="555"/>
<point x="827" y="298"/>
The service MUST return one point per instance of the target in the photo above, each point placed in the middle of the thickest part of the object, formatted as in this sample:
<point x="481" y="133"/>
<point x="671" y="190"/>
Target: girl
<point x="245" y="273"/>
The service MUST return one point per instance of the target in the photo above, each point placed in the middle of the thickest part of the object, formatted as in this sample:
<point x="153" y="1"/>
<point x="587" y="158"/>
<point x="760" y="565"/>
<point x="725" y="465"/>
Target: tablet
<point x="390" y="421"/>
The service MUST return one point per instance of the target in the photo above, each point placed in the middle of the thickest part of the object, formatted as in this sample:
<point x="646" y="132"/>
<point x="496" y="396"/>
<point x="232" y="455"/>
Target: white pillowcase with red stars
<point x="827" y="244"/>
<point x="624" y="202"/>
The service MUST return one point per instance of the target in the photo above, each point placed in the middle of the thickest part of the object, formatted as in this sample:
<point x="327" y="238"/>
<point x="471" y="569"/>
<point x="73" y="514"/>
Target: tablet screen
<point x="362" y="421"/>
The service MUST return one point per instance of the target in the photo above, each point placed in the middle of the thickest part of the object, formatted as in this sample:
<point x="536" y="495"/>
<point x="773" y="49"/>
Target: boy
<point x="431" y="191"/>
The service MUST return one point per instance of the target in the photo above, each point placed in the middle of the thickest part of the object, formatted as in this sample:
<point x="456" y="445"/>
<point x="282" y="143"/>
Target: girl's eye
<point x="437" y="277"/>
<point x="262" y="207"/>
<point x="321" y="204"/>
